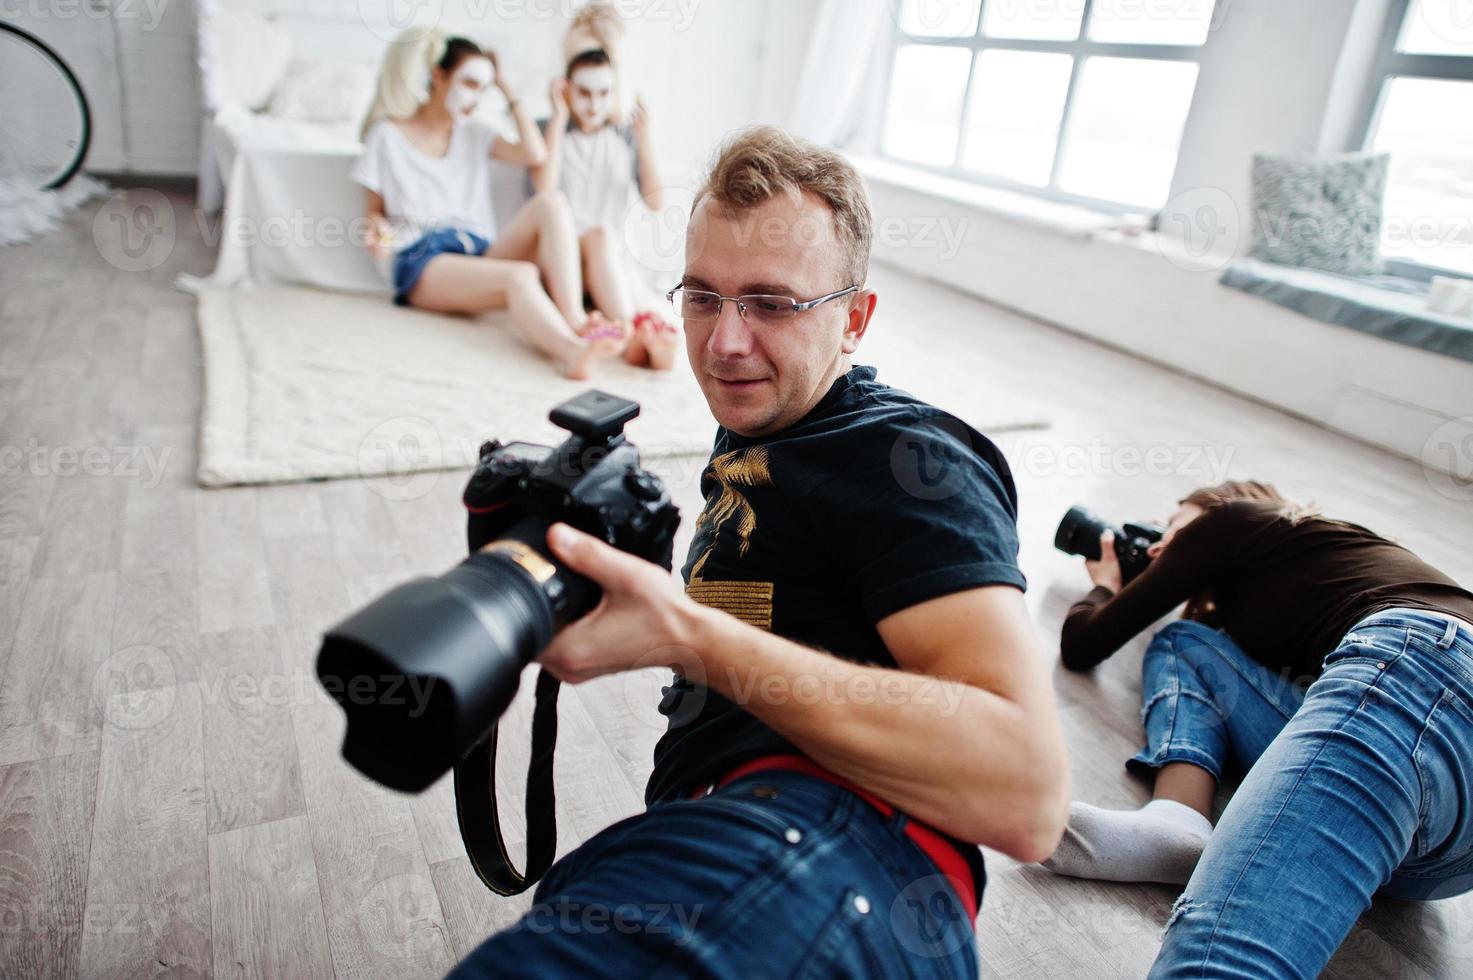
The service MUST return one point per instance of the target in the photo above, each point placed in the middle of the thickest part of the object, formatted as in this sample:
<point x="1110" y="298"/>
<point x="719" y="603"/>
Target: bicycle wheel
<point x="45" y="125"/>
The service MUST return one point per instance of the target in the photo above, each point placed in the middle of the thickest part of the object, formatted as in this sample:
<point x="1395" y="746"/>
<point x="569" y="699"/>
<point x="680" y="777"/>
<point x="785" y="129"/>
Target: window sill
<point x="1039" y="212"/>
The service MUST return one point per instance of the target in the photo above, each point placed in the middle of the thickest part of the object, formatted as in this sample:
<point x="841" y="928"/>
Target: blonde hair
<point x="404" y="78"/>
<point x="598" y="25"/>
<point x="757" y="164"/>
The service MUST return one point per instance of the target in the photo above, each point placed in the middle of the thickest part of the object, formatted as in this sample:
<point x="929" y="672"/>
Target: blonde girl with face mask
<point x="602" y="166"/>
<point x="426" y="169"/>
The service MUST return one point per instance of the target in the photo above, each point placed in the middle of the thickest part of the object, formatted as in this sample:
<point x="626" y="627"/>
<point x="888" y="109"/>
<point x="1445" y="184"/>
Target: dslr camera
<point x="450" y="650"/>
<point x="1079" y="534"/>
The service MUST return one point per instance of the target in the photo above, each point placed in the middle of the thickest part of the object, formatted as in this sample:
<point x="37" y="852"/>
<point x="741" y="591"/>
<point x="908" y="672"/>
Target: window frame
<point x="1078" y="49"/>
<point x="1391" y="63"/>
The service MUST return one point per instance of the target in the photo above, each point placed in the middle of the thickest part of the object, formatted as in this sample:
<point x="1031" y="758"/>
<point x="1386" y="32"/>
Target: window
<point x="1080" y="100"/>
<point x="1421" y="112"/>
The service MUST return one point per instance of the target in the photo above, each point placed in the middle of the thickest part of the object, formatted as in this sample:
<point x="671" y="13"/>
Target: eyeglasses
<point x="703" y="304"/>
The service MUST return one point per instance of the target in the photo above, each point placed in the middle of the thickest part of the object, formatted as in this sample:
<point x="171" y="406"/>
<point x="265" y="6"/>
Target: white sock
<point x="1159" y="842"/>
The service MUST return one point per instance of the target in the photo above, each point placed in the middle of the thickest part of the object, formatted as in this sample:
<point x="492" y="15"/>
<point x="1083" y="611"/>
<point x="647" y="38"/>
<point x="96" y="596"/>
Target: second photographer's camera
<point x="1079" y="534"/>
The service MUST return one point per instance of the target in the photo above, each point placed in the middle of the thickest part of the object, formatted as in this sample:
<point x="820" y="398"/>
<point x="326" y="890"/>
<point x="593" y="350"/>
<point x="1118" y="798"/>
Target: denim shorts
<point x="410" y="263"/>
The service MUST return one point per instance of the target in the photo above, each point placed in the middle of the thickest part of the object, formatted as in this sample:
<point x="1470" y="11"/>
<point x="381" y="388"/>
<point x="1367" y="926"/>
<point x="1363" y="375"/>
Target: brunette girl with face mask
<point x="427" y="173"/>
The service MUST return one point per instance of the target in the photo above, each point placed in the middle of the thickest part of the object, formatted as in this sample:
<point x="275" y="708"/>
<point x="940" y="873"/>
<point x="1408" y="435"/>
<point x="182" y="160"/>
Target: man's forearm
<point x="956" y="756"/>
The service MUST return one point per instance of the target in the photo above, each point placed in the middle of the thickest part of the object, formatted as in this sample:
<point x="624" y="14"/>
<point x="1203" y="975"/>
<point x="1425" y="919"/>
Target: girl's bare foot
<point x="659" y="339"/>
<point x="601" y="342"/>
<point x="635" y="354"/>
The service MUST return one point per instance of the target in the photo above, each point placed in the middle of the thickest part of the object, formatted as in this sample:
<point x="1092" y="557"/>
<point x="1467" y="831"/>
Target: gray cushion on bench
<point x="1386" y="306"/>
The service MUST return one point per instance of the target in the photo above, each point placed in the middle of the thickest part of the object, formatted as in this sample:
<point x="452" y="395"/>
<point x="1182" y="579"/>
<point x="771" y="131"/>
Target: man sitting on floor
<point x="860" y="696"/>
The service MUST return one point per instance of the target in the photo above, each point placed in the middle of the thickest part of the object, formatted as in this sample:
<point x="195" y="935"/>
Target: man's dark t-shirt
<point x="1286" y="591"/>
<point x="871" y="503"/>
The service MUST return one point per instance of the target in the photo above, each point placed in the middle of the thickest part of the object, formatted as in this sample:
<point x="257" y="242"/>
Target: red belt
<point x="942" y="852"/>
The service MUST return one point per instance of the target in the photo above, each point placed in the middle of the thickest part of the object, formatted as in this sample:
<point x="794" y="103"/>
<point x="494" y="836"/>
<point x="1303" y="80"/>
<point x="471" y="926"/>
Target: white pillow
<point x="329" y="91"/>
<point x="244" y="58"/>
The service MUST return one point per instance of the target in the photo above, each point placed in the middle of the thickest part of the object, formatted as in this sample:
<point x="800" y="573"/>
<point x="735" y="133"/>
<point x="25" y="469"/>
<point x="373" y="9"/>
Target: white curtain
<point x="847" y="47"/>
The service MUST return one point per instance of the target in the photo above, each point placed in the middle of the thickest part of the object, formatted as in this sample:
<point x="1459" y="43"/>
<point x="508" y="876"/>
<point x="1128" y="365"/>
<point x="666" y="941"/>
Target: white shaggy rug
<point x="302" y="384"/>
<point x="27" y="213"/>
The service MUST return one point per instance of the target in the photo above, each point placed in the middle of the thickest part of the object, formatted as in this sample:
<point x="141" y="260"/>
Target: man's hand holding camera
<point x="643" y="613"/>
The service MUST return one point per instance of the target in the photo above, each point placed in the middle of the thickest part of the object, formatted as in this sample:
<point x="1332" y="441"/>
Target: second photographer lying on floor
<point x="1361" y="782"/>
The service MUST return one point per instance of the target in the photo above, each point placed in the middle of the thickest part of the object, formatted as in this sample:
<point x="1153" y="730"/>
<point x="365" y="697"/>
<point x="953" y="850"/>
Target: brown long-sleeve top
<point x="1285" y="592"/>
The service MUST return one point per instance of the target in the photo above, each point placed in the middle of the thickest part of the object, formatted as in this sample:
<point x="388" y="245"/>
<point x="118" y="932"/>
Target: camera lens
<point x="425" y="671"/>
<point x="1079" y="534"/>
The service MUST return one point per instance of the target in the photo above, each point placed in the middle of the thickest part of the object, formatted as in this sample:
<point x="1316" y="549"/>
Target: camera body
<point x="425" y="671"/>
<point x="593" y="482"/>
<point x="1079" y="534"/>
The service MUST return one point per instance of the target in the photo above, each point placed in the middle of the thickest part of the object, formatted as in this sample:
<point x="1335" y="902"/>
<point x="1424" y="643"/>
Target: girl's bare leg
<point x="472" y="284"/>
<point x="1187" y="784"/>
<point x="542" y="232"/>
<point x="604" y="271"/>
<point x="619" y="292"/>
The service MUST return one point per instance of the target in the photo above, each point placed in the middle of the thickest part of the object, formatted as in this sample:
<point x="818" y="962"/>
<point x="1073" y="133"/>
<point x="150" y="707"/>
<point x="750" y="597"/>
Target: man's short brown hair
<point x="759" y="163"/>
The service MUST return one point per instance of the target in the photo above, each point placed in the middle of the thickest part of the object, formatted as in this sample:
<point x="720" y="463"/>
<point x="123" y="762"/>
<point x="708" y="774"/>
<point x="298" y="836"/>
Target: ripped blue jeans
<point x="1361" y="784"/>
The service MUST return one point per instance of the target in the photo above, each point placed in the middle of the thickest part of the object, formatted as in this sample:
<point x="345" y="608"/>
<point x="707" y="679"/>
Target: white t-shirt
<point x="599" y="175"/>
<point x="421" y="191"/>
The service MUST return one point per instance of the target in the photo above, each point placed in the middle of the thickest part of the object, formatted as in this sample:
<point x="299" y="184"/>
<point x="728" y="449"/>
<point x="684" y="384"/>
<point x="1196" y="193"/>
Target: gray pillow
<point x="1319" y="212"/>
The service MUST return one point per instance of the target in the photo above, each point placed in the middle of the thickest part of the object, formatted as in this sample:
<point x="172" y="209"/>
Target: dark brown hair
<point x="592" y="58"/>
<point x="1202" y="607"/>
<point x="457" y="49"/>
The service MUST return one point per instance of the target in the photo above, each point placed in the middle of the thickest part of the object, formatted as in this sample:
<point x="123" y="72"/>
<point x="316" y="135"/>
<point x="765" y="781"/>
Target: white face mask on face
<point x="467" y="84"/>
<point x="592" y="95"/>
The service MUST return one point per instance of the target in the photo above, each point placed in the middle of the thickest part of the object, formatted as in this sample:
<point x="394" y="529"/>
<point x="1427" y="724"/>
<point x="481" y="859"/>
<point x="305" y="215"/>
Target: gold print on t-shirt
<point x="730" y="511"/>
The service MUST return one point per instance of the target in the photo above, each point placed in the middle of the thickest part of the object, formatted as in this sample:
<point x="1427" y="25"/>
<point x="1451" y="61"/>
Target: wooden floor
<point x="171" y="796"/>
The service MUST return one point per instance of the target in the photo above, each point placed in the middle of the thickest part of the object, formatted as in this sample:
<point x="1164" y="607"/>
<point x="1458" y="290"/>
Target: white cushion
<point x="247" y="57"/>
<point x="331" y="91"/>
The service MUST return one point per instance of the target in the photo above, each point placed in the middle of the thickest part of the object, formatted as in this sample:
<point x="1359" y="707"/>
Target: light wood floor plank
<point x="266" y="907"/>
<point x="251" y="771"/>
<point x="148" y="886"/>
<point x="49" y="704"/>
<point x="383" y="915"/>
<point x="234" y="591"/>
<point x="45" y="842"/>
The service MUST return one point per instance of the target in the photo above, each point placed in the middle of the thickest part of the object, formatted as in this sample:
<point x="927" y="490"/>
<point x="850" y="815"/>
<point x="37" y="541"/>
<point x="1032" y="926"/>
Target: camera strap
<point x="475" y="801"/>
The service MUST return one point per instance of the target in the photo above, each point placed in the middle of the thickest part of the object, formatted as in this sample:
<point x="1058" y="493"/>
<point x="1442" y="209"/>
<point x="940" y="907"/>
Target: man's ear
<point x="861" y="309"/>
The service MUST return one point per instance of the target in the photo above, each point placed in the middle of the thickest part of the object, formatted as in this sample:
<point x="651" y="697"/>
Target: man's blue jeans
<point x="1362" y="783"/>
<point x="776" y="874"/>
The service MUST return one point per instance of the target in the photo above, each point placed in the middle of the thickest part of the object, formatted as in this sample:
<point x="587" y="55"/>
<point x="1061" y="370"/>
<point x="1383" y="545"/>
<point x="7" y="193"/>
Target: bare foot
<point x="600" y="343"/>
<point x="596" y="320"/>
<point x="660" y="340"/>
<point x="636" y="354"/>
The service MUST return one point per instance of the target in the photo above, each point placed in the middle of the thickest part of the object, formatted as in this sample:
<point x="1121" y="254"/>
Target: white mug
<point x="1450" y="296"/>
